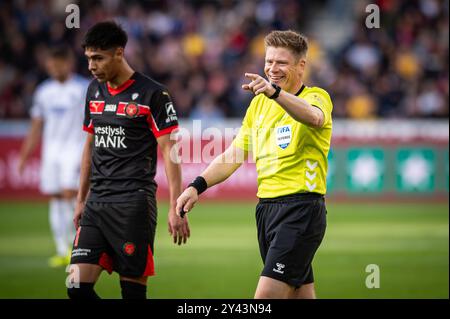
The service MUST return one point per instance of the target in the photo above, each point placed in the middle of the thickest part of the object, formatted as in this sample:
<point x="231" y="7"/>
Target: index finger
<point x="252" y="76"/>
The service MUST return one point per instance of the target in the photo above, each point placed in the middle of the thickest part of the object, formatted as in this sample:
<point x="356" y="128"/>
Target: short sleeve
<point x="243" y="139"/>
<point x="319" y="98"/>
<point x="88" y="126"/>
<point x="163" y="116"/>
<point x="37" y="108"/>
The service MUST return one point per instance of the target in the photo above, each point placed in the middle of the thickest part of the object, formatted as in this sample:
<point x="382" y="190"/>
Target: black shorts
<point x="118" y="236"/>
<point x="290" y="229"/>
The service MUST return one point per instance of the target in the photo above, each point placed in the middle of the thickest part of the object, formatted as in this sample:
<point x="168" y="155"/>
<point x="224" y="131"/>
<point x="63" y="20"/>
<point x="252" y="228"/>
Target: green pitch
<point x="409" y="243"/>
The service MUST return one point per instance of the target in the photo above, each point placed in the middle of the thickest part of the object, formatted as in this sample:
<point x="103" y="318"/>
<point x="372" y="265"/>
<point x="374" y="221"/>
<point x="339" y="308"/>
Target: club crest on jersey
<point x="134" y="96"/>
<point x="283" y="135"/>
<point x="131" y="110"/>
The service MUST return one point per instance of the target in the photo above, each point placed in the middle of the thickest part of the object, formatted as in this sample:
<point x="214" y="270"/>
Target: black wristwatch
<point x="277" y="91"/>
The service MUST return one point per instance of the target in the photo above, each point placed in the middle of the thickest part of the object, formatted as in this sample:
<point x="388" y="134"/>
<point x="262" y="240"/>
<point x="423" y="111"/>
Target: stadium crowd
<point x="201" y="50"/>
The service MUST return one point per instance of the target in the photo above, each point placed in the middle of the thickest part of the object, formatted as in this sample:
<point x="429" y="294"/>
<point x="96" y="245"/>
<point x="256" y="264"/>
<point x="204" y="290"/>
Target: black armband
<point x="199" y="184"/>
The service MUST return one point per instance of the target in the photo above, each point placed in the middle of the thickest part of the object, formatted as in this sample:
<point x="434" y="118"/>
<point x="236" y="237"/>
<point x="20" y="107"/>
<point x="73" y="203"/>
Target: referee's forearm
<point x="300" y="110"/>
<point x="219" y="170"/>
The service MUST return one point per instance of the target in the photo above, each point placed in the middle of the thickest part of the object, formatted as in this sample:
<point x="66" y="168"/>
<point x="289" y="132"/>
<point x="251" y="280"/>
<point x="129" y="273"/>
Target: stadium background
<point x="389" y="171"/>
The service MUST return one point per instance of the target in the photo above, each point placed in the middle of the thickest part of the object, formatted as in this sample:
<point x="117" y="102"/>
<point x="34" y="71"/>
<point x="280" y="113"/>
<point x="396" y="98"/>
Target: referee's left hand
<point x="258" y="85"/>
<point x="178" y="227"/>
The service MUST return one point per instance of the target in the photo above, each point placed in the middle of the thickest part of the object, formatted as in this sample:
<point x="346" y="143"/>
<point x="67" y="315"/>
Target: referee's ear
<point x="302" y="64"/>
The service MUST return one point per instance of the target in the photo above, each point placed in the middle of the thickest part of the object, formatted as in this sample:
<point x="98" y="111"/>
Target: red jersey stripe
<point x="75" y="244"/>
<point x="165" y="131"/>
<point x="89" y="129"/>
<point x="125" y="85"/>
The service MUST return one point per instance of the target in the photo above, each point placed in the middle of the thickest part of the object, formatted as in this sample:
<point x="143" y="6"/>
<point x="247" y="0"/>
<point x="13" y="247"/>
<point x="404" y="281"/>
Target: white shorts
<point x="59" y="171"/>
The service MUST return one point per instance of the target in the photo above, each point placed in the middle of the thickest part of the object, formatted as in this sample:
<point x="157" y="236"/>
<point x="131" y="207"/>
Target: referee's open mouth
<point x="276" y="79"/>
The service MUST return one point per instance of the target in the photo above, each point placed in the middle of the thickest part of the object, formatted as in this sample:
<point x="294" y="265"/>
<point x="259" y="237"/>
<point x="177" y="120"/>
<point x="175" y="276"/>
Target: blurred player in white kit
<point x="57" y="112"/>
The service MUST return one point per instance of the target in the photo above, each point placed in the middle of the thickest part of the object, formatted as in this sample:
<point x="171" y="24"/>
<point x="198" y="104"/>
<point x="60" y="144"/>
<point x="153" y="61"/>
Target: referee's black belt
<point x="291" y="198"/>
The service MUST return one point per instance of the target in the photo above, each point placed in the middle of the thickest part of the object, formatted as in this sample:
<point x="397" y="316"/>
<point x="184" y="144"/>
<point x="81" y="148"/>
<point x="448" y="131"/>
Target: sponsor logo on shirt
<point x="109" y="137"/>
<point x="81" y="252"/>
<point x="110" y="107"/>
<point x="171" y="114"/>
<point x="96" y="107"/>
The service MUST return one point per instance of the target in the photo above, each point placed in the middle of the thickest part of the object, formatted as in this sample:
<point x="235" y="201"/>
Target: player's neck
<point x="63" y="79"/>
<point x="124" y="74"/>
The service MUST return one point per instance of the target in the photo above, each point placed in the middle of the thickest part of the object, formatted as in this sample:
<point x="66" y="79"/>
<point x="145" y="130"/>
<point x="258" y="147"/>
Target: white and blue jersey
<point x="61" y="107"/>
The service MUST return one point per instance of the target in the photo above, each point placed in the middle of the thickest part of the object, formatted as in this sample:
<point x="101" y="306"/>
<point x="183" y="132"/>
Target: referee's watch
<point x="277" y="91"/>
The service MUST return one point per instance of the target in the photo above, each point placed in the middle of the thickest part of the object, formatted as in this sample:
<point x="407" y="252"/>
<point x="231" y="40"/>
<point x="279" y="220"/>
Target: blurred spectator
<point x="430" y="101"/>
<point x="201" y="49"/>
<point x="361" y="105"/>
<point x="207" y="111"/>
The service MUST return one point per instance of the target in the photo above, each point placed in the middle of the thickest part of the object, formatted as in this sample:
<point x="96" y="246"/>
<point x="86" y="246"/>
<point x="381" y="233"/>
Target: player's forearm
<point x="28" y="146"/>
<point x="173" y="173"/>
<point x="300" y="110"/>
<point x="85" y="171"/>
<point x="173" y="170"/>
<point x="32" y="139"/>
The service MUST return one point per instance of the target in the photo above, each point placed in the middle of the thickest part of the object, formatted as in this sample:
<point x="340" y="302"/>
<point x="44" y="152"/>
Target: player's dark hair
<point x="105" y="35"/>
<point x="289" y="39"/>
<point x="61" y="51"/>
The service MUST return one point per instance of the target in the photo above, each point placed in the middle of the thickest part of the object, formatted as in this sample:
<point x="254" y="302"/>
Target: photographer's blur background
<point x="200" y="50"/>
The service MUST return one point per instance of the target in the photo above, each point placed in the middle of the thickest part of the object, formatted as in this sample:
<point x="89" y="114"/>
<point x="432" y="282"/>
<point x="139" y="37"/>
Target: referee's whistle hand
<point x="187" y="200"/>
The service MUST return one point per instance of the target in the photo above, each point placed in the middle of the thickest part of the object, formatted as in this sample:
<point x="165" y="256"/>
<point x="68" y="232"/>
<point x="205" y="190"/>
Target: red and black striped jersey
<point x="125" y="122"/>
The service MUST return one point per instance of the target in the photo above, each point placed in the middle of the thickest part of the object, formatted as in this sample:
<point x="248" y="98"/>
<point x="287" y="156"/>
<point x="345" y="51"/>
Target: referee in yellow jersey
<point x="287" y="128"/>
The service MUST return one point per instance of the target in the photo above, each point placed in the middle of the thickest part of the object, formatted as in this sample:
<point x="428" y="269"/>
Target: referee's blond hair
<point x="289" y="39"/>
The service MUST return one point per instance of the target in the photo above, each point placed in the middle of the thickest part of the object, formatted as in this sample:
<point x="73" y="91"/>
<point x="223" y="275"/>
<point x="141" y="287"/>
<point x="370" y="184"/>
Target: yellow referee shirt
<point x="290" y="157"/>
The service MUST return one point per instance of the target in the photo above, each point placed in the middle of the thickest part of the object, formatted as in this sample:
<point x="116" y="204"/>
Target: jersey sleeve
<point x="37" y="108"/>
<point x="243" y="139"/>
<point x="320" y="98"/>
<point x="88" y="126"/>
<point x="163" y="116"/>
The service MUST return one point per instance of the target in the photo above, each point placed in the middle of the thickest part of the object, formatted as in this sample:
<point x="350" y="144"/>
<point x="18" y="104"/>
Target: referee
<point x="287" y="128"/>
